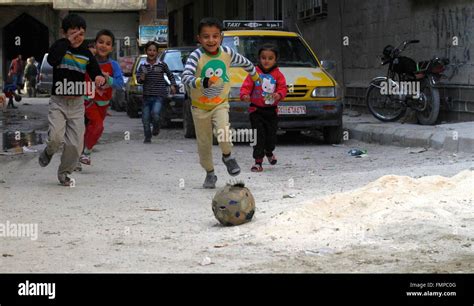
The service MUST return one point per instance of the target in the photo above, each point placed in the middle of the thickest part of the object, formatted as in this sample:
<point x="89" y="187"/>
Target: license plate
<point x="292" y="110"/>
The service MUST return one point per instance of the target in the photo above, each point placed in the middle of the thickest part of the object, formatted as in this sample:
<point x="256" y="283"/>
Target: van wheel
<point x="132" y="112"/>
<point x="188" y="124"/>
<point x="165" y="122"/>
<point x="332" y="134"/>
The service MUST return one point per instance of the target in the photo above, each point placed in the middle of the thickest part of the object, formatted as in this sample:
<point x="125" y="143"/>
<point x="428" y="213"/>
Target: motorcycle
<point x="408" y="84"/>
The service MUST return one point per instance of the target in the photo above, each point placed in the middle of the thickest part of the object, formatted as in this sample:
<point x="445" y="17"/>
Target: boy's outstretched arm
<point x="94" y="71"/>
<point x="246" y="89"/>
<point x="170" y="78"/>
<point x="242" y="61"/>
<point x="116" y="81"/>
<point x="188" y="77"/>
<point x="57" y="51"/>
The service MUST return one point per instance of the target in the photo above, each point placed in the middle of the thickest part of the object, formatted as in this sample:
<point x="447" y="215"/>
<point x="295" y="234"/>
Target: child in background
<point x="264" y="98"/>
<point x="96" y="107"/>
<point x="151" y="75"/>
<point x="70" y="62"/>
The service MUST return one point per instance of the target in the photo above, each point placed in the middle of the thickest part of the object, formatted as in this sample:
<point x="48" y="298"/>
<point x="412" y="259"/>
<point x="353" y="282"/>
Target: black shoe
<point x="231" y="164"/>
<point x="147" y="140"/>
<point x="44" y="159"/>
<point x="156" y="131"/>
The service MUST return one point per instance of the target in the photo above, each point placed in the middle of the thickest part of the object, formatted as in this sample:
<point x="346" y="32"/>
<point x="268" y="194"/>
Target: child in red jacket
<point x="97" y="105"/>
<point x="264" y="100"/>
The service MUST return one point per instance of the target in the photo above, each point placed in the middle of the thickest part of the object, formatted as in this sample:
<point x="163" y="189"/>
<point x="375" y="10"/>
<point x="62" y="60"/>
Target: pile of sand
<point x="393" y="211"/>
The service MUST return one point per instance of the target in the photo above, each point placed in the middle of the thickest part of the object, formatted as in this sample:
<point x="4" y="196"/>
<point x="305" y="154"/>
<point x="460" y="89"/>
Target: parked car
<point x="45" y="79"/>
<point x="312" y="101"/>
<point x="175" y="58"/>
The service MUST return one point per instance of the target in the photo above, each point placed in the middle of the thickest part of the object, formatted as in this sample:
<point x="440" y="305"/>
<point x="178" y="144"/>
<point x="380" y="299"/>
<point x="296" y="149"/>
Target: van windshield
<point x="293" y="53"/>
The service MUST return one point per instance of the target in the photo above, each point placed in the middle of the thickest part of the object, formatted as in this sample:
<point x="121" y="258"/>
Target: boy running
<point x="151" y="75"/>
<point x="206" y="74"/>
<point x="96" y="108"/>
<point x="70" y="63"/>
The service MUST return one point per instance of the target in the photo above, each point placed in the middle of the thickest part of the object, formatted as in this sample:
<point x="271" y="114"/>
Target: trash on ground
<point x="291" y="195"/>
<point x="206" y="261"/>
<point x="357" y="152"/>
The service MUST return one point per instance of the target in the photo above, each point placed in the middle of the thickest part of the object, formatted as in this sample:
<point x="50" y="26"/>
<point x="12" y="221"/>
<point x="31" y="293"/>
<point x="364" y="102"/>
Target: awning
<point x="104" y="5"/>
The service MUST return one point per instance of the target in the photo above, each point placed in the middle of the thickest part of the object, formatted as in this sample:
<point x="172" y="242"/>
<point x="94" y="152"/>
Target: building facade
<point x="29" y="27"/>
<point x="353" y="33"/>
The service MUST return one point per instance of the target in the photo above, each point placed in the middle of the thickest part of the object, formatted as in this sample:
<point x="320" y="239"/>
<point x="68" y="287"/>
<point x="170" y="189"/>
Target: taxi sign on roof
<point x="253" y="24"/>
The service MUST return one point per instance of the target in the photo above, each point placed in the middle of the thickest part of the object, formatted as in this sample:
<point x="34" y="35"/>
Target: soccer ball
<point x="233" y="205"/>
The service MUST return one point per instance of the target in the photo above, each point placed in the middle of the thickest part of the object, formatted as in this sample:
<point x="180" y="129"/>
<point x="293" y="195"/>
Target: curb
<point x="457" y="137"/>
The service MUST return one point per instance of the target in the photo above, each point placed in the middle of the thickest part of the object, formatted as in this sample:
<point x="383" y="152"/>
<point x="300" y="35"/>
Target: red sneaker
<point x="272" y="159"/>
<point x="256" y="168"/>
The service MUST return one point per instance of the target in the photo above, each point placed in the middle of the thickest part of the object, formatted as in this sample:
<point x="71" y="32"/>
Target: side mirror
<point x="328" y="65"/>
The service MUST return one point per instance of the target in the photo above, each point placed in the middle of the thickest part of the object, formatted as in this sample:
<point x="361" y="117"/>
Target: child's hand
<point x="276" y="96"/>
<point x="73" y="37"/>
<point x="173" y="90"/>
<point x="99" y="81"/>
<point x="246" y="98"/>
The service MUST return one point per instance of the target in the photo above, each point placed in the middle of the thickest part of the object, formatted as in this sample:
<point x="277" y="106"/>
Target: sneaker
<point x="156" y="131"/>
<point x="210" y="181"/>
<point x="44" y="158"/>
<point x="231" y="164"/>
<point x="85" y="159"/>
<point x="65" y="180"/>
<point x="272" y="159"/>
<point x="147" y="140"/>
<point x="257" y="168"/>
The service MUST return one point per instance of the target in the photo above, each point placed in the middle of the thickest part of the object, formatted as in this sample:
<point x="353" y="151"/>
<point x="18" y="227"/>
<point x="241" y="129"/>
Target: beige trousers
<point x="66" y="125"/>
<point x="207" y="123"/>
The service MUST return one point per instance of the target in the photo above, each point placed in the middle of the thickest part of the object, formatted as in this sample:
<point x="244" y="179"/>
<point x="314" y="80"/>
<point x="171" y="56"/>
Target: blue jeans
<point x="151" y="113"/>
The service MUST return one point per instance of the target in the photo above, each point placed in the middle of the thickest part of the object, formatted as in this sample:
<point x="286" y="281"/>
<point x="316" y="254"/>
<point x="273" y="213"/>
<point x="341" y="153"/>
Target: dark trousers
<point x="265" y="121"/>
<point x="151" y="113"/>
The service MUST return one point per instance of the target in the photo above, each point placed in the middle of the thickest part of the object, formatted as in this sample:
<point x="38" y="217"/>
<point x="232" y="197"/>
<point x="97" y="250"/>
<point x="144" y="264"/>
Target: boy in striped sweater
<point x="70" y="62"/>
<point x="206" y="74"/>
<point x="151" y="75"/>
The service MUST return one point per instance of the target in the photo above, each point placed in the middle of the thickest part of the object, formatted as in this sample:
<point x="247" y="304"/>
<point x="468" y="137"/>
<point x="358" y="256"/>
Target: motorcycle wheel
<point x="430" y="96"/>
<point x="383" y="107"/>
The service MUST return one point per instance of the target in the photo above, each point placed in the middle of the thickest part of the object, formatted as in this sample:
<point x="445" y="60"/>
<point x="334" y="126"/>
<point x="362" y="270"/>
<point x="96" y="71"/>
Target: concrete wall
<point x="371" y="25"/>
<point x="218" y="10"/>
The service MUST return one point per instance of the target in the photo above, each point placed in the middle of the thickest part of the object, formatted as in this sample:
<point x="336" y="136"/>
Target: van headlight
<point x="324" y="92"/>
<point x="234" y="93"/>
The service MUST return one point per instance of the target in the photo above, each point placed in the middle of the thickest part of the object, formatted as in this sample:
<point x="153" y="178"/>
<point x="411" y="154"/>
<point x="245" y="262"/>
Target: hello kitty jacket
<point x="273" y="81"/>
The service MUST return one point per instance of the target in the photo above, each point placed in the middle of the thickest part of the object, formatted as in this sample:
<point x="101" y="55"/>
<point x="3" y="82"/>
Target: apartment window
<point x="309" y="9"/>
<point x="249" y="10"/>
<point x="161" y="8"/>
<point x="188" y="24"/>
<point x="277" y="10"/>
<point x="172" y="29"/>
